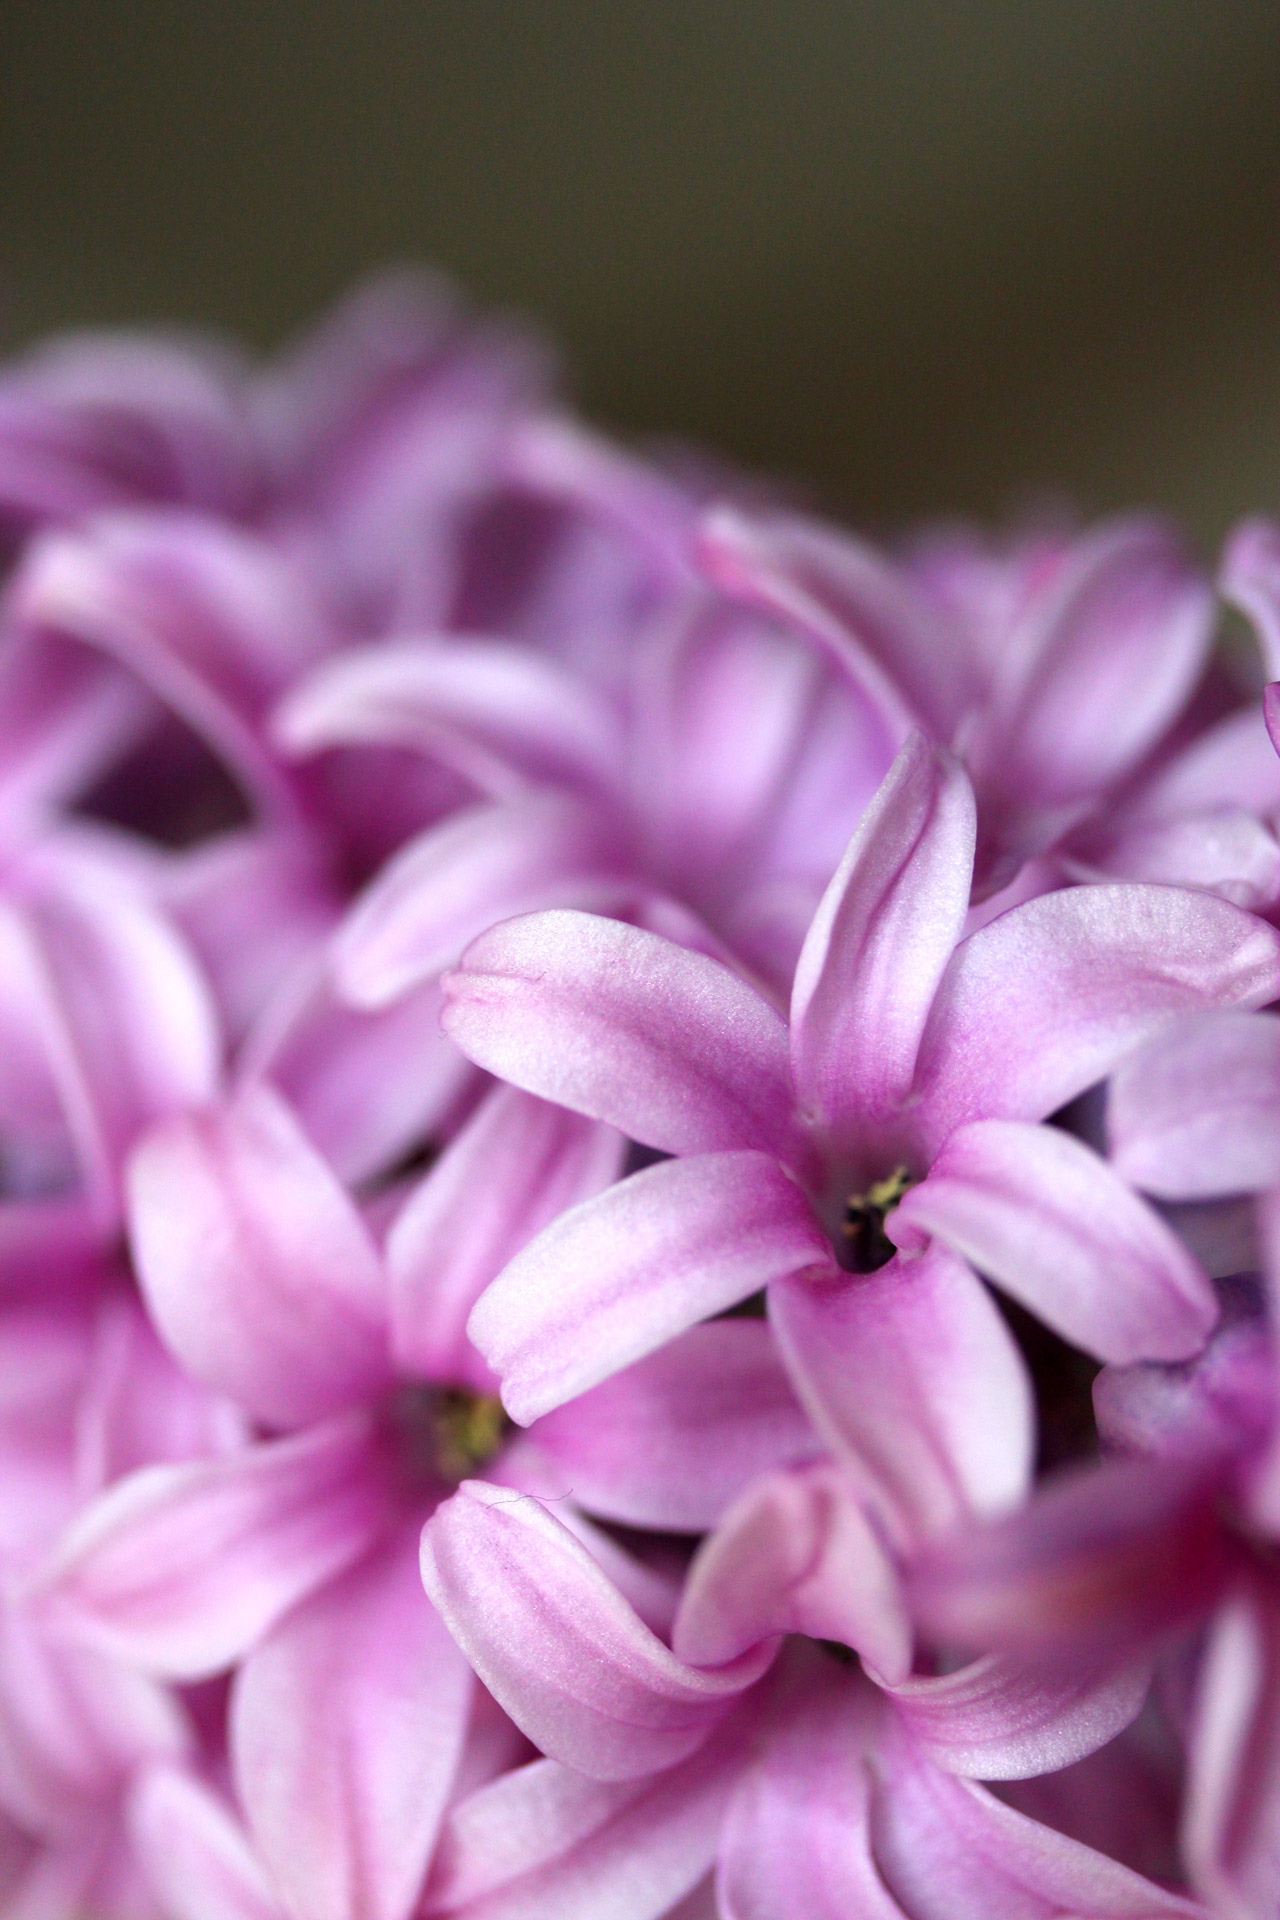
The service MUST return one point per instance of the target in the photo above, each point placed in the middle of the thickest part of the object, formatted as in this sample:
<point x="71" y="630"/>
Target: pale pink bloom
<point x="86" y="1395"/>
<point x="801" y="1787"/>
<point x="685" y="751"/>
<point x="351" y="1706"/>
<point x="1052" y="671"/>
<point x="1177" y="1530"/>
<point x="910" y="1059"/>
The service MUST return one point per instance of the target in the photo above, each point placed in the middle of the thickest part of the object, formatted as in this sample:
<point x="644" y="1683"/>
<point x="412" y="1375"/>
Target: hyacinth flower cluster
<point x="639" y="1170"/>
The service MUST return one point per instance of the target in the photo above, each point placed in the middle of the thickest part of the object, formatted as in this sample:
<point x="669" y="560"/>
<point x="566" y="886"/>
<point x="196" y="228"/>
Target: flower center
<point x="445" y="1433"/>
<point x="863" y="1244"/>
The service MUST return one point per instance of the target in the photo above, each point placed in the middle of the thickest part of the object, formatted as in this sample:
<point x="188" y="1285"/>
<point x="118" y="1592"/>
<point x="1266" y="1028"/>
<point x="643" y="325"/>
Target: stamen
<point x="445" y="1433"/>
<point x="867" y="1245"/>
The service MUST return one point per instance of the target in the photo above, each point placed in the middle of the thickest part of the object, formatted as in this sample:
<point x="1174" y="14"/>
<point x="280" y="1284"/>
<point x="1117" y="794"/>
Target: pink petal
<point x="625" y="1026"/>
<point x="1231" y="1815"/>
<point x="367" y="1087"/>
<point x="1228" y="852"/>
<point x="1098" y="1566"/>
<point x="545" y="1840"/>
<point x="948" y="1850"/>
<point x="1196" y="1114"/>
<point x="795" y="1554"/>
<point x="125" y="1019"/>
<point x="137" y="1407"/>
<point x="1042" y="1216"/>
<point x="797" y="1842"/>
<point x="497" y="713"/>
<point x="1046" y="1000"/>
<point x="483" y="865"/>
<point x="621" y="1274"/>
<point x="550" y="1636"/>
<point x="65" y="716"/>
<point x="912" y="1375"/>
<point x="878" y="945"/>
<point x="255" y="1264"/>
<point x="89" y="420"/>
<point x="253" y="905"/>
<point x="670" y="1441"/>
<point x="347" y="1723"/>
<point x="888" y="638"/>
<point x="72" y="1727"/>
<point x="1004" y="1719"/>
<point x="1100" y="666"/>
<point x="179" y="1569"/>
<point x="753" y="751"/>
<point x="1271" y="712"/>
<point x="1219" y="1404"/>
<point x="210" y="618"/>
<point x="193" y="1851"/>
<point x="513" y="1168"/>
<point x="1250" y="580"/>
<point x="1231" y="764"/>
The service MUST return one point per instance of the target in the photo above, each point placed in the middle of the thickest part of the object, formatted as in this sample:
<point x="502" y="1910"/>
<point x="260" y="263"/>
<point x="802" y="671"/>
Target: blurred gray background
<point x="927" y="257"/>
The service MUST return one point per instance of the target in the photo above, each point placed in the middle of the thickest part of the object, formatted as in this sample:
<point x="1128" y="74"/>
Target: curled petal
<point x="1006" y="1719"/>
<point x="913" y="1377"/>
<point x="210" y="618"/>
<point x="617" y="1276"/>
<point x="255" y="1263"/>
<point x="1047" y="999"/>
<point x="551" y="1637"/>
<point x="795" y="1554"/>
<point x="1049" y="1222"/>
<point x="626" y="1026"/>
<point x="863" y="611"/>
<point x="948" y="1850"/>
<point x="1196" y="1114"/>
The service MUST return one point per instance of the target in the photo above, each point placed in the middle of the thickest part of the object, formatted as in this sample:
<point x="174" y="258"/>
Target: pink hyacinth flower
<point x="910" y="1059"/>
<point x="351" y="1705"/>
<point x="792" y="1780"/>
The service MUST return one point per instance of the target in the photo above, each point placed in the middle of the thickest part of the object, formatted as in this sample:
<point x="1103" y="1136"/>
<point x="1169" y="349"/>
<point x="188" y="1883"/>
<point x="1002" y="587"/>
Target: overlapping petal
<point x="618" y="1275"/>
<point x="1041" y="1215"/>
<point x="178" y="1570"/>
<point x="1196" y="1114"/>
<point x="621" y="1024"/>
<point x="347" y="1724"/>
<point x="550" y="1636"/>
<point x="915" y="1380"/>
<point x="255" y="1263"/>
<point x="515" y="1166"/>
<point x="1046" y="1000"/>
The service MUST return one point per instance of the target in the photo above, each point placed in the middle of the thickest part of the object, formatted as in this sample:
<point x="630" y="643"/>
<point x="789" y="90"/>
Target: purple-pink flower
<point x="639" y="1170"/>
